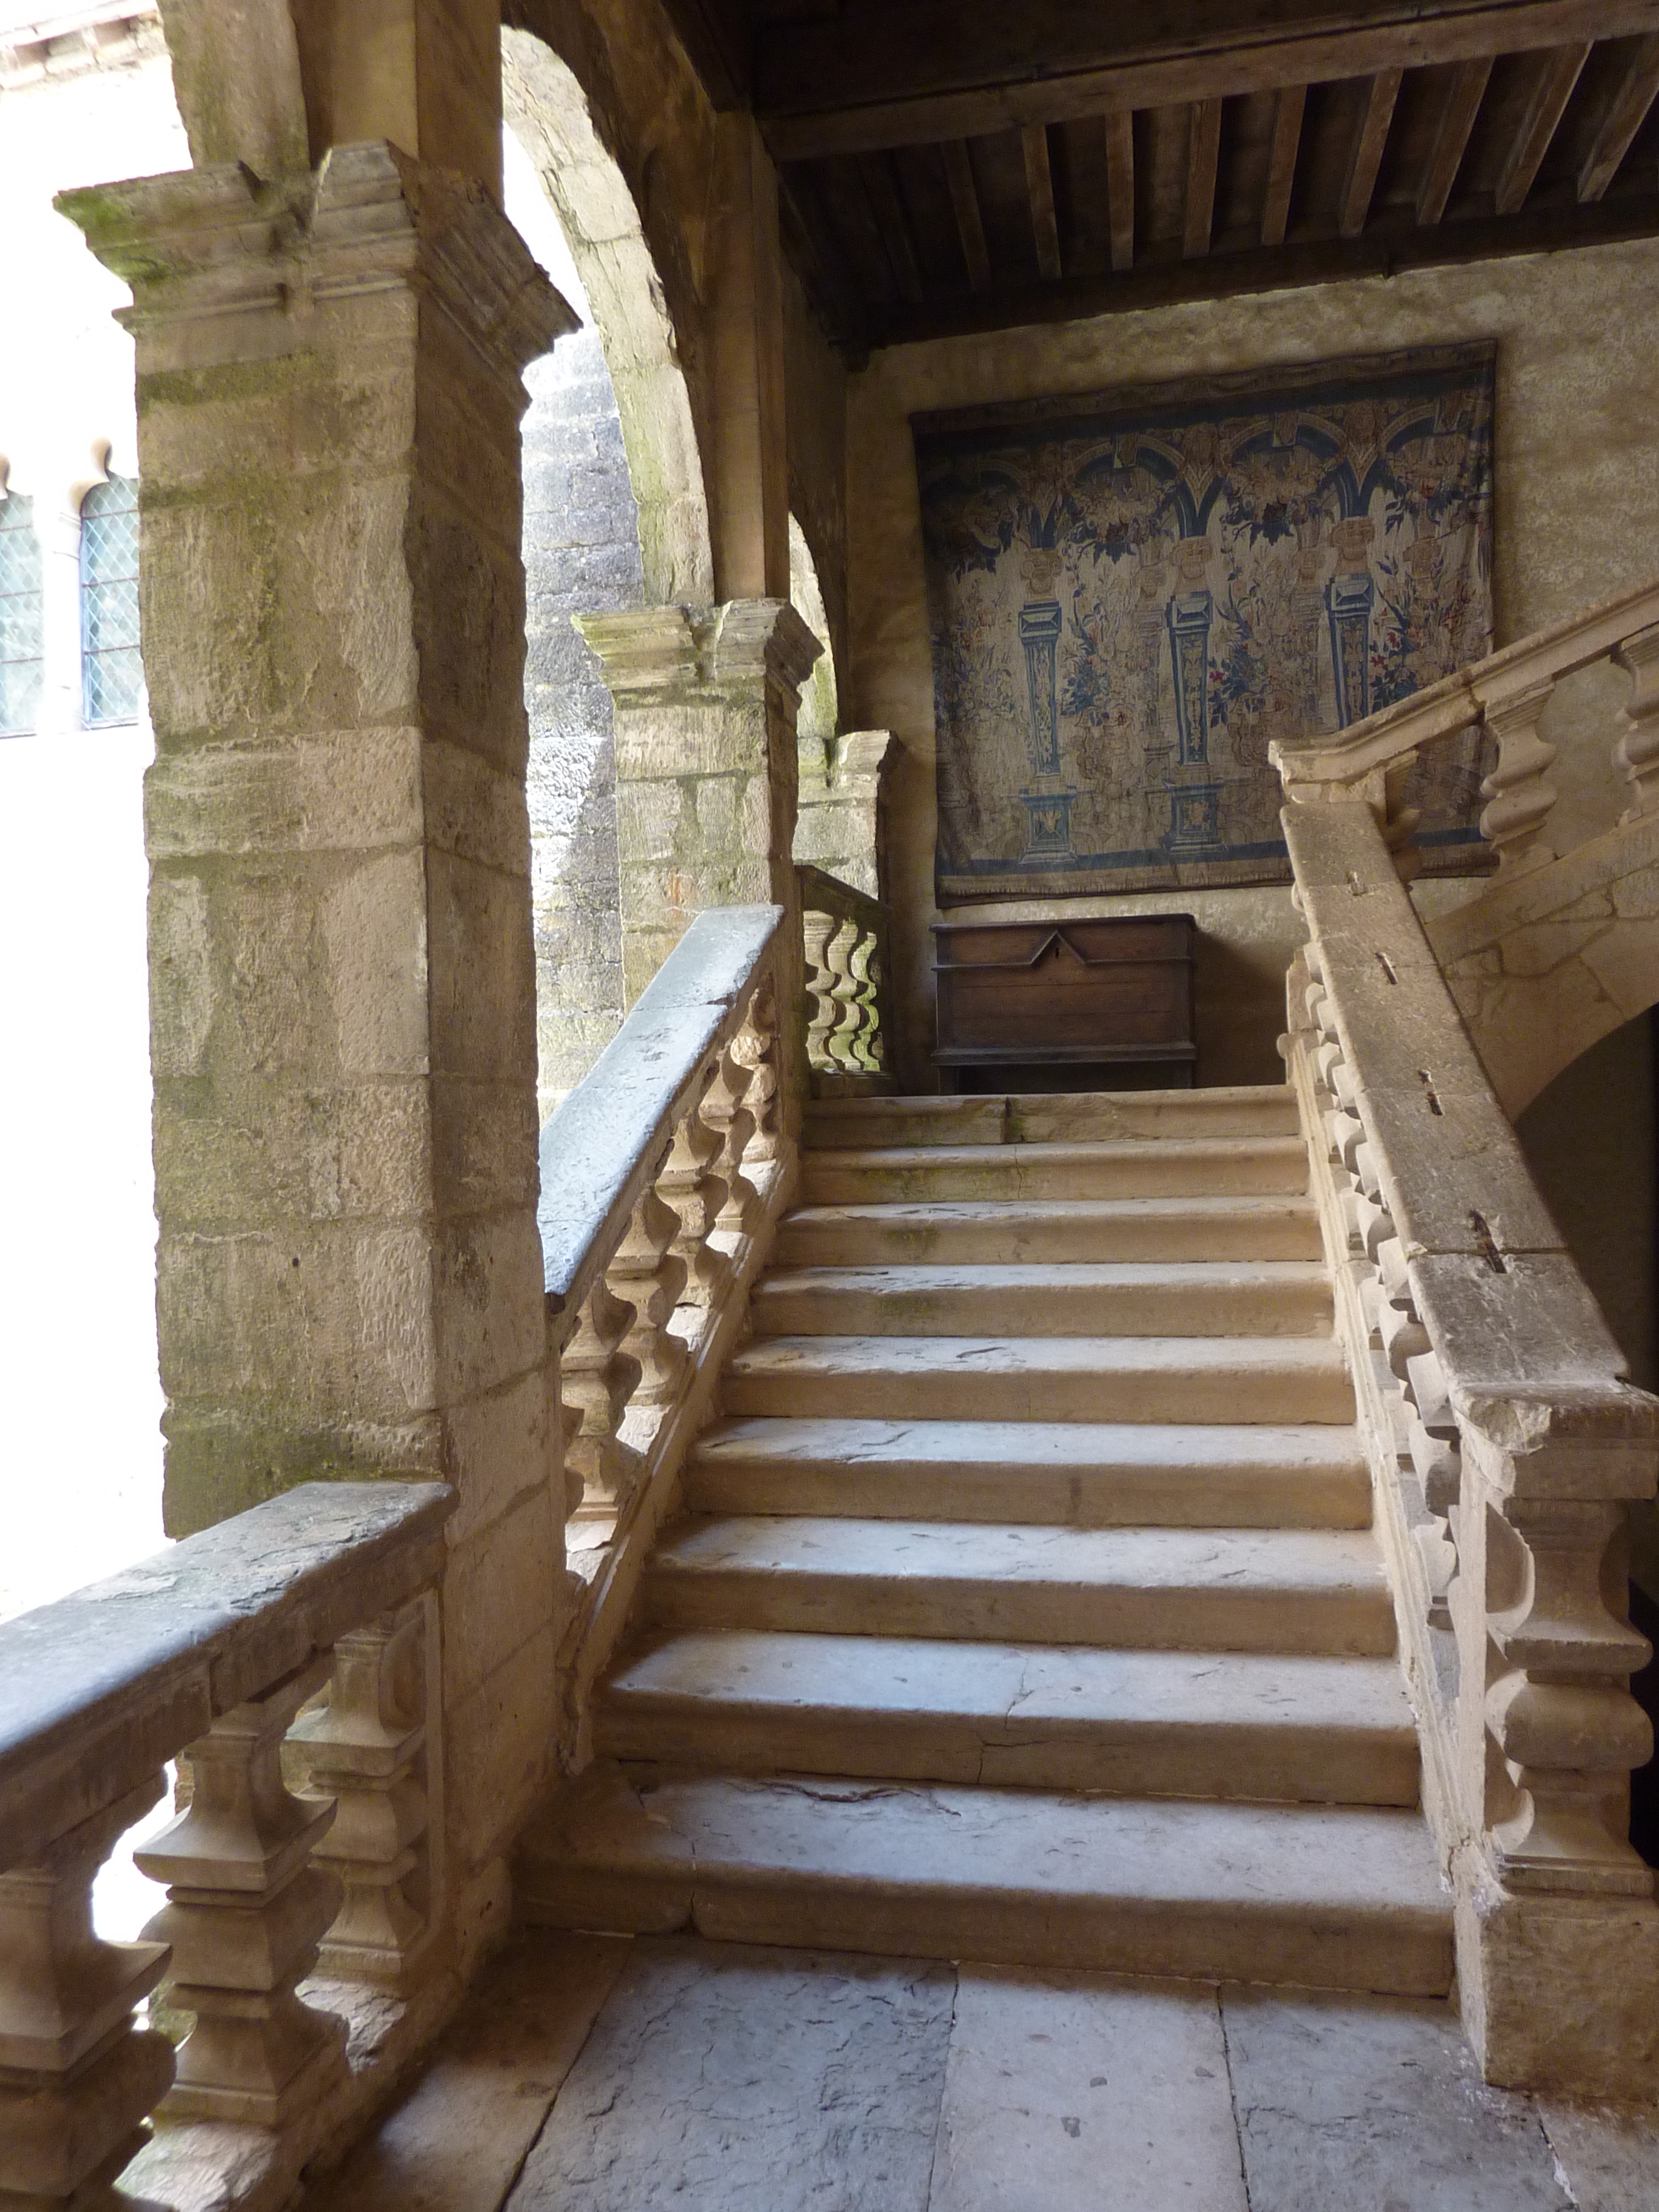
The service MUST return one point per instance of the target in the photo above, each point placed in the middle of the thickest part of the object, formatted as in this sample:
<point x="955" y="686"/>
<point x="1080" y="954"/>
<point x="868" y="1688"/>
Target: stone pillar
<point x="750" y="522"/>
<point x="341" y="975"/>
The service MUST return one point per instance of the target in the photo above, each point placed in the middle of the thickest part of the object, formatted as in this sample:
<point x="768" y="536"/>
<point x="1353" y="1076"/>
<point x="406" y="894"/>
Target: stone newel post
<point x="341" y="976"/>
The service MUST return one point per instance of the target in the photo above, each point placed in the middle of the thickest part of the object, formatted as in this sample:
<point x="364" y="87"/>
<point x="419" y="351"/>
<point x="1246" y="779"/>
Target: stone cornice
<point x="684" y="653"/>
<point x="215" y="243"/>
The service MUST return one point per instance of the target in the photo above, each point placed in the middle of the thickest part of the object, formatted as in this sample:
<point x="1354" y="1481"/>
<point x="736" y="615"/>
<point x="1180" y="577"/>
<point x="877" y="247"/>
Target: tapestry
<point x="1131" y="595"/>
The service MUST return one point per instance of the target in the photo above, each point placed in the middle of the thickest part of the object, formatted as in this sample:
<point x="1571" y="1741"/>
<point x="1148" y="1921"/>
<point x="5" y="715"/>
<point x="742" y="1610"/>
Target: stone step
<point x="1199" y="1298"/>
<point x="1068" y="1474"/>
<point x="1042" y="1378"/>
<point x="1321" y="1896"/>
<point x="1224" y="1590"/>
<point x="1172" y="1168"/>
<point x="1134" y="1724"/>
<point x="1061" y="1116"/>
<point x="952" y="1233"/>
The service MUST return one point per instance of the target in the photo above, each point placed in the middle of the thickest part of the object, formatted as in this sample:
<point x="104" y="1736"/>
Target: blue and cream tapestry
<point x="1132" y="595"/>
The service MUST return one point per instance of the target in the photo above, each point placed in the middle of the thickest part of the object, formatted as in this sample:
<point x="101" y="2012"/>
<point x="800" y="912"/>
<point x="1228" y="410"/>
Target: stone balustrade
<point x="1505" y="1444"/>
<point x="662" y="1173"/>
<point x="1506" y="695"/>
<point x="849" y="1021"/>
<point x="287" y="1660"/>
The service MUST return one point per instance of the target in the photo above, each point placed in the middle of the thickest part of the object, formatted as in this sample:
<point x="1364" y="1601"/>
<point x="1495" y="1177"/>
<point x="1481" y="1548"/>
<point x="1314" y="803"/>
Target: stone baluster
<point x="690" y="1184"/>
<point x="597" y="1379"/>
<point x="1433" y="1443"/>
<point x="869" y="1046"/>
<point x="368" y="1752"/>
<point x="246" y="1910"/>
<point x="755" y="1048"/>
<point x="77" y="2080"/>
<point x="818" y="929"/>
<point x="1635" y="755"/>
<point x="1557" y="1705"/>
<point x="725" y="1109"/>
<point x="1404" y="1336"/>
<point x="645" y="1272"/>
<point x="843" y="990"/>
<point x="1520" y="799"/>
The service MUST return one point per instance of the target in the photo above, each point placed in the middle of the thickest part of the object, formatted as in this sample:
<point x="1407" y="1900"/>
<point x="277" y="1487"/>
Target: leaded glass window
<point x="20" y="616"/>
<point x="111" y="674"/>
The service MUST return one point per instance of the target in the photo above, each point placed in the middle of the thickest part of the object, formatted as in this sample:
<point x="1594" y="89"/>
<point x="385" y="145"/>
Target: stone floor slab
<point x="1350" y="2106"/>
<point x="726" y="2078"/>
<point x="1610" y="2159"/>
<point x="1069" y="2091"/>
<point x="456" y="2142"/>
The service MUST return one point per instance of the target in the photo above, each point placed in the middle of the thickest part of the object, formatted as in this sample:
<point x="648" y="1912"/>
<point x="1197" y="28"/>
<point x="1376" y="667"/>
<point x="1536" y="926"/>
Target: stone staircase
<point x="1025" y="1606"/>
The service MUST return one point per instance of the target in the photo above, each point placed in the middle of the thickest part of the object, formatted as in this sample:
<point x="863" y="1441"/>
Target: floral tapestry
<point x="1132" y="595"/>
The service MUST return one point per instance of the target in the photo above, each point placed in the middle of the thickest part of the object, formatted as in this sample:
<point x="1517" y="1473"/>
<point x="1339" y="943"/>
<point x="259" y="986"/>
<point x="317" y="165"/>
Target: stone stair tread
<point x="1044" y="1116"/>
<point x="1198" y="1588"/>
<point x="1050" y="1298"/>
<point x="1077" y="1473"/>
<point x="1011" y="1159"/>
<point x="1335" y="1896"/>
<point x="1105" y="1168"/>
<point x="1285" y="1378"/>
<point x="1176" y="1723"/>
<point x="1280" y="1225"/>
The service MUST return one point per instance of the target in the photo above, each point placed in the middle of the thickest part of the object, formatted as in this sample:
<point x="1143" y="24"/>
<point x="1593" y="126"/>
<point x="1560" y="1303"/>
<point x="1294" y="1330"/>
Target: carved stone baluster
<point x="725" y="1111"/>
<point x="1559" y="1709"/>
<point x="77" y="2080"/>
<point x="690" y="1184"/>
<point x="647" y="1273"/>
<point x="1520" y="798"/>
<point x="755" y="1048"/>
<point x="823" y="1013"/>
<point x="596" y="1381"/>
<point x="869" y="1047"/>
<point x="1433" y="1444"/>
<point x="1635" y="755"/>
<point x="247" y="1910"/>
<point x="368" y="1752"/>
<point x="1404" y="1336"/>
<point x="844" y="990"/>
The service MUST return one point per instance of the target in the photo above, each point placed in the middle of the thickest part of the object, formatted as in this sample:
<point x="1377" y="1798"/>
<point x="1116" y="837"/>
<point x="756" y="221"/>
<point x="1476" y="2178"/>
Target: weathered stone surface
<point x="762" y="2080"/>
<point x="1067" y="2090"/>
<point x="456" y="2142"/>
<point x="1610" y="2158"/>
<point x="1379" y="2107"/>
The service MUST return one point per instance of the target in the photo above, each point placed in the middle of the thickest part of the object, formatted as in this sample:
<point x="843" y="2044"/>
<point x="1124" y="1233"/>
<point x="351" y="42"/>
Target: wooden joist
<point x="1288" y="110"/>
<point x="1203" y="150"/>
<point x="1466" y="91"/>
<point x="1366" y="158"/>
<point x="970" y="221"/>
<point x="1561" y="73"/>
<point x="1621" y="122"/>
<point x="1120" y="188"/>
<point x="1040" y="186"/>
<point x="889" y="211"/>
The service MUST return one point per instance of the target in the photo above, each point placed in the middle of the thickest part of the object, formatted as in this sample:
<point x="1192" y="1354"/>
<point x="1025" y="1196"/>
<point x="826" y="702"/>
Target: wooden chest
<point x="1113" y="994"/>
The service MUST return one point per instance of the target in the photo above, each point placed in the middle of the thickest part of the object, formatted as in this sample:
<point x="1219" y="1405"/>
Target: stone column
<point x="341" y="975"/>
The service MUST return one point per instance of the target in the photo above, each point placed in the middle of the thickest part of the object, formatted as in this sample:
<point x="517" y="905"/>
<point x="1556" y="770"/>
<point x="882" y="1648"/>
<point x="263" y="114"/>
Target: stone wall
<point x="1577" y="504"/>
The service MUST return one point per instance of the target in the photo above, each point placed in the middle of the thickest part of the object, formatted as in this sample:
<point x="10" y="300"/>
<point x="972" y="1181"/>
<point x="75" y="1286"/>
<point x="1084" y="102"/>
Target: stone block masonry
<point x="342" y="959"/>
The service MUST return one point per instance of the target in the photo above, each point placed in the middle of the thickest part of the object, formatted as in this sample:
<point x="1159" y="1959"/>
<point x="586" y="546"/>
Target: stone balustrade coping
<point x="107" y="1685"/>
<point x="602" y="1146"/>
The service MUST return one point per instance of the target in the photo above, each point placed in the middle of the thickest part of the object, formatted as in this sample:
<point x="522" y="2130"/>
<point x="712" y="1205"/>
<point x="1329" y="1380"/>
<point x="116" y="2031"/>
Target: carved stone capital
<point x="672" y="656"/>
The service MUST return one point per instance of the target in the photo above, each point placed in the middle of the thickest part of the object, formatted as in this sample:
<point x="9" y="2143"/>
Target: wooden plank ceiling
<point x="963" y="165"/>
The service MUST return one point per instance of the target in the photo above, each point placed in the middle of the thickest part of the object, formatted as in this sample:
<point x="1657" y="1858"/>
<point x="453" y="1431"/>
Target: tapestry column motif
<point x="1048" y="797"/>
<point x="1194" y="792"/>
<point x="1349" y="597"/>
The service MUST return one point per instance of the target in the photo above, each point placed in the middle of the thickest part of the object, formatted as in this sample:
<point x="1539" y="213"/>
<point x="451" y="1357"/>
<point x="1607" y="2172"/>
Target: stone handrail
<point x="298" y="1639"/>
<point x="1506" y="695"/>
<point x="844" y="934"/>
<point x="661" y="1174"/>
<point x="1505" y="1443"/>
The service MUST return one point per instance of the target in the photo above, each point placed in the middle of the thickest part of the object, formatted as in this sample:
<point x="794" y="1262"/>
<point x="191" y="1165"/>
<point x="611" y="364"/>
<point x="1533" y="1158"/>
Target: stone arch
<point x="1546" y="967"/>
<point x="549" y="115"/>
<point x="819" y="714"/>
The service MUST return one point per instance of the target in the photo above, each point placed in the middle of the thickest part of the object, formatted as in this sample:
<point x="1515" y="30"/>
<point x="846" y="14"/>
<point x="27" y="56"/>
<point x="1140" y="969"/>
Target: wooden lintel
<point x="1621" y="123"/>
<point x="1387" y="245"/>
<point x="970" y="222"/>
<point x="884" y="204"/>
<point x="871" y="76"/>
<point x="1040" y="187"/>
<point x="1366" y="158"/>
<point x="1281" y="162"/>
<point x="1451" y="139"/>
<point x="1203" y="148"/>
<point x="1562" y="70"/>
<point x="1120" y="188"/>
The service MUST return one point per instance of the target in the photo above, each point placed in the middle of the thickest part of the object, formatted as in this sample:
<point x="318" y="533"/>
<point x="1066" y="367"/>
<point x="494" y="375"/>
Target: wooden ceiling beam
<point x="1451" y="140"/>
<point x="1366" y="158"/>
<point x="946" y="69"/>
<point x="889" y="212"/>
<point x="971" y="220"/>
<point x="1628" y="112"/>
<point x="1281" y="162"/>
<point x="1040" y="189"/>
<point x="1562" y="70"/>
<point x="1203" y="152"/>
<point x="1120" y="188"/>
<point x="814" y="245"/>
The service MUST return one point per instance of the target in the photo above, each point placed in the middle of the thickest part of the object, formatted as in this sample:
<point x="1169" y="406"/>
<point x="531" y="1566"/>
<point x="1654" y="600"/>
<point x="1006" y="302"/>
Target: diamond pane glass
<point x="20" y="616"/>
<point x="112" y="675"/>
